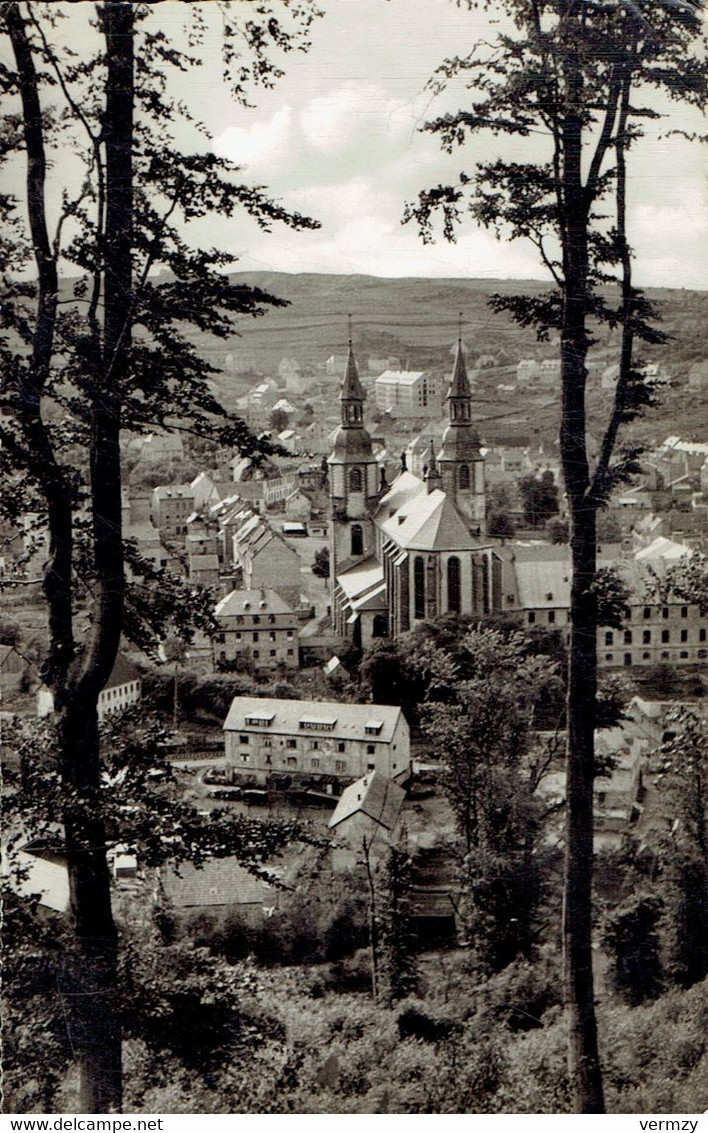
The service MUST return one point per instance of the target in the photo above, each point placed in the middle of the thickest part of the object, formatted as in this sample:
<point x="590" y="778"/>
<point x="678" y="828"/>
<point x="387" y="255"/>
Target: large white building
<point x="316" y="738"/>
<point x="408" y="393"/>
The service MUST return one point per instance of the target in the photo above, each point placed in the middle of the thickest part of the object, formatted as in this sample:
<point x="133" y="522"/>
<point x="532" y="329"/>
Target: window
<point x="684" y="635"/>
<point x="238" y="636"/>
<point x="373" y="728"/>
<point x="609" y="657"/>
<point x="271" y="635"/>
<point x="665" y="636"/>
<point x="683" y="654"/>
<point x="243" y="739"/>
<point x="340" y="765"/>
<point x="665" y="612"/>
<point x="646" y="656"/>
<point x="701" y="635"/>
<point x="464" y="476"/>
<point x="291" y="761"/>
<point x="551" y="617"/>
<point x="684" y="611"/>
<point x="221" y="638"/>
<point x="370" y="749"/>
<point x="355" y="480"/>
<point x="239" y="620"/>
<point x="245" y="757"/>
<point x="271" y="619"/>
<point x="665" y="655"/>
<point x="419" y="587"/>
<point x="256" y="653"/>
<point x="647" y="611"/>
<point x="289" y="635"/>
<point x="255" y="635"/>
<point x="646" y="637"/>
<point x="272" y="653"/>
<point x="531" y="617"/>
<point x="703" y="653"/>
<point x="453" y="585"/>
<point x="291" y="652"/>
<point x="256" y="620"/>
<point x="609" y="638"/>
<point x="267" y="742"/>
<point x="357" y="539"/>
<point x="314" y="764"/>
<point x="259" y="721"/>
<point x="291" y="743"/>
<point x="628" y="658"/>
<point x="628" y="637"/>
<point x="341" y="746"/>
<point x="222" y="656"/>
<point x="315" y="745"/>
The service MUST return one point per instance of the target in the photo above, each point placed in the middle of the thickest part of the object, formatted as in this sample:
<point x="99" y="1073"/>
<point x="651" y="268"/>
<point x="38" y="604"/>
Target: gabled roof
<point x="352" y="389"/>
<point x="375" y="796"/>
<point x="399" y="377"/>
<point x="219" y="881"/>
<point x="430" y="522"/>
<point x="122" y="673"/>
<point x="251" y="602"/>
<point x="345" y="721"/>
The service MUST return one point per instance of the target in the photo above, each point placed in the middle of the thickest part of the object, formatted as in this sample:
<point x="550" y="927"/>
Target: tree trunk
<point x="583" y="1056"/>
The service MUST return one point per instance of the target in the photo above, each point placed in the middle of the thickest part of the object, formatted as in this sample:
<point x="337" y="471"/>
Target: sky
<point x="339" y="139"/>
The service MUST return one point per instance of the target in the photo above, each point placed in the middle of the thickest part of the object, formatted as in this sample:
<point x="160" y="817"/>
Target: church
<point x="414" y="549"/>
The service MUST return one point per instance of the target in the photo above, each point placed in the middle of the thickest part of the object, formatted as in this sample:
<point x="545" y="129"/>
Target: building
<point x="315" y="738"/>
<point x="122" y="689"/>
<point x="527" y="371"/>
<point x="408" y="393"/>
<point x="415" y="549"/>
<point x="170" y="509"/>
<point x="655" y="632"/>
<point x="262" y="557"/>
<point x="159" y="448"/>
<point x="218" y="886"/>
<point x="259" y="625"/>
<point x="368" y="812"/>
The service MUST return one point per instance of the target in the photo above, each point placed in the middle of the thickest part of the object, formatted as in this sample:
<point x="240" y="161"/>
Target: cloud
<point x="260" y="147"/>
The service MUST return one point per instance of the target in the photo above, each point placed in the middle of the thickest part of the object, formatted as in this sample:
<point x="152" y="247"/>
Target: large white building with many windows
<point x="315" y="738"/>
<point x="257" y="626"/>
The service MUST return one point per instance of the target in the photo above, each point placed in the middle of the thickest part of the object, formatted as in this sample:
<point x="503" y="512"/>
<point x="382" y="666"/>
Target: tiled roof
<point x="348" y="721"/>
<point x="374" y="795"/>
<point x="253" y="602"/>
<point x="221" y="881"/>
<point x="123" y="672"/>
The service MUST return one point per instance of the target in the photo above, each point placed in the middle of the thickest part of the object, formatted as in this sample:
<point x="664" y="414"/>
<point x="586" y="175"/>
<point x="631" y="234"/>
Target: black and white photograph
<point x="354" y="559"/>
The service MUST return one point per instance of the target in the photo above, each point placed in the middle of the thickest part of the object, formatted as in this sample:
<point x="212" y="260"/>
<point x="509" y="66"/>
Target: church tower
<point x="354" y="479"/>
<point x="460" y="462"/>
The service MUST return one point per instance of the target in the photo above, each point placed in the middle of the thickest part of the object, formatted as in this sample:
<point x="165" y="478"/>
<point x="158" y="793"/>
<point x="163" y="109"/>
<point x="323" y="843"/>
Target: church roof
<point x="364" y="585"/>
<point x="459" y="386"/>
<point x="352" y="389"/>
<point x="429" y="522"/>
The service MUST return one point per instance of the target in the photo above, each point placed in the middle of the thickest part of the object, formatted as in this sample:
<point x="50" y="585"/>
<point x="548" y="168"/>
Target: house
<point x="549" y="373"/>
<point x="368" y="811"/>
<point x="335" y="363"/>
<point x="404" y="393"/>
<point x="298" y="505"/>
<point x="170" y="509"/>
<point x="261" y="557"/>
<point x="415" y="549"/>
<point x="259" y="625"/>
<point x="159" y="448"/>
<point x="122" y="689"/>
<point x="527" y="371"/>
<point x="315" y="738"/>
<point x="219" y="885"/>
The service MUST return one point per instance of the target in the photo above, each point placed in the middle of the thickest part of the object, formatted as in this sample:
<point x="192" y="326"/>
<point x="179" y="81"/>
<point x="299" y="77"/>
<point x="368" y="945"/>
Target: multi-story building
<point x="170" y="509"/>
<point x="317" y="738"/>
<point x="258" y="625"/>
<point x="408" y="393"/>
<point x="122" y="689"/>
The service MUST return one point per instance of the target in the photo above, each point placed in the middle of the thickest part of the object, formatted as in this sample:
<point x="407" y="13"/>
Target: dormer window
<point x="317" y="723"/>
<point x="373" y="727"/>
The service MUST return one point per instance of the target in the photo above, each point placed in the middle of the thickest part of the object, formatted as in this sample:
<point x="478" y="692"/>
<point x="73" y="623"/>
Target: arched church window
<point x="464" y="477"/>
<point x="453" y="585"/>
<point x="419" y="587"/>
<point x="357" y="535"/>
<point x="355" y="480"/>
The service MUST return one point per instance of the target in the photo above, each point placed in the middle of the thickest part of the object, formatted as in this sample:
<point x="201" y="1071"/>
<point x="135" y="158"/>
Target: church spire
<point x="432" y="477"/>
<point x="352" y="393"/>
<point x="459" y="395"/>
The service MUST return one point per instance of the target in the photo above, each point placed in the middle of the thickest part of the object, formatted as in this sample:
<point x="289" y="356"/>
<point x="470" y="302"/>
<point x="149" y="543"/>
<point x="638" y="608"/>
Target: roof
<point x="399" y="377"/>
<point x="459" y="385"/>
<point x="692" y="447"/>
<point x="543" y="584"/>
<point x="663" y="550"/>
<point x="375" y="796"/>
<point x="122" y="672"/>
<point x="174" y="491"/>
<point x="204" y="562"/>
<point x="344" y="721"/>
<point x="220" y="881"/>
<point x="429" y="521"/>
<point x="252" y="602"/>
<point x="364" y="585"/>
<point x="352" y="389"/>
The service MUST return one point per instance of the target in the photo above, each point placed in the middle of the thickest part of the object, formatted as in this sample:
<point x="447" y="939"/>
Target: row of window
<point x="255" y="653"/>
<point x="255" y="619"/>
<point x="454" y="587"/>
<point x="272" y="636"/>
<point x="646" y="636"/>
<point x="292" y="744"/>
<point x="628" y="658"/>
<point x="121" y="690"/>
